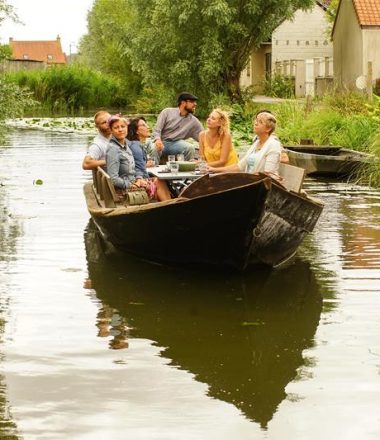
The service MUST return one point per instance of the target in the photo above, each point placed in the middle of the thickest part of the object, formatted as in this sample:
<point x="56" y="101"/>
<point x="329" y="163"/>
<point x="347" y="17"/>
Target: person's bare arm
<point x="90" y="164"/>
<point x="228" y="169"/>
<point x="201" y="145"/>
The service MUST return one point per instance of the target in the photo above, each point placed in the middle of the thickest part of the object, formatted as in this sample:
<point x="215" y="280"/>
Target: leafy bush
<point x="13" y="99"/>
<point x="279" y="86"/>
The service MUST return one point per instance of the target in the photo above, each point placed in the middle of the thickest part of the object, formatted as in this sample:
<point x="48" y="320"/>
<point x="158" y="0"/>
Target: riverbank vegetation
<point x="70" y="89"/>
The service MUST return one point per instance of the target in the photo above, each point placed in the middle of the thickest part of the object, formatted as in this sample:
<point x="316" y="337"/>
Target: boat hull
<point x="327" y="160"/>
<point x="233" y="220"/>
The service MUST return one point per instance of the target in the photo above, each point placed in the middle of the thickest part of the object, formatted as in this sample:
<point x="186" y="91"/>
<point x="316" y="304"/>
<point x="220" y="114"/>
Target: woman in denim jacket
<point x="121" y="164"/>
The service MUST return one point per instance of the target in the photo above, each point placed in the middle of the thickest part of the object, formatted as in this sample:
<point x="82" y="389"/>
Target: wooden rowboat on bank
<point x="232" y="219"/>
<point x="327" y="160"/>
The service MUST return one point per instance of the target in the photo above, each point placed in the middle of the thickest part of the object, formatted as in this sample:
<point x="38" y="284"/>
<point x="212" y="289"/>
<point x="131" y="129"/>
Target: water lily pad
<point x="38" y="182"/>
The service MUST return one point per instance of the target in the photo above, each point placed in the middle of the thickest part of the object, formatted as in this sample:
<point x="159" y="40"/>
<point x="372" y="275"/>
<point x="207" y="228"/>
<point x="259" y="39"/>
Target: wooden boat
<point x="233" y="219"/>
<point x="327" y="160"/>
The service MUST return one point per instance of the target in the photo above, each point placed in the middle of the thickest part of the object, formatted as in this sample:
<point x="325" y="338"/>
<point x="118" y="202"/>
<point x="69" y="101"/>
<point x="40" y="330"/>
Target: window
<point x="287" y="42"/>
<point x="316" y="42"/>
<point x="25" y="56"/>
<point x="307" y="43"/>
<point x="298" y="42"/>
<point x="50" y="57"/>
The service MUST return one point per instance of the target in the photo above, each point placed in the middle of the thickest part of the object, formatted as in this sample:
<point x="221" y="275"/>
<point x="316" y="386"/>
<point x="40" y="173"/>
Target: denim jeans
<point x="179" y="147"/>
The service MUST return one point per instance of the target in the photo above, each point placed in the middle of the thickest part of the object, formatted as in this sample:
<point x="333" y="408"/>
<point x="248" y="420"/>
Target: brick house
<point x="43" y="52"/>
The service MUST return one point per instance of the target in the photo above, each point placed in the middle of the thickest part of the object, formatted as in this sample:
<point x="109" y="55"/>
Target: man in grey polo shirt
<point x="174" y="125"/>
<point x="96" y="153"/>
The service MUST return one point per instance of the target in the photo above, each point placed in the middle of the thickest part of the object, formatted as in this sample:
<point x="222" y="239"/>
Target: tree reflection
<point x="10" y="230"/>
<point x="243" y="335"/>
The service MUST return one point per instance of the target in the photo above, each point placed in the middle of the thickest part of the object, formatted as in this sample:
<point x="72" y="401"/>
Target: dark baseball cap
<point x="185" y="96"/>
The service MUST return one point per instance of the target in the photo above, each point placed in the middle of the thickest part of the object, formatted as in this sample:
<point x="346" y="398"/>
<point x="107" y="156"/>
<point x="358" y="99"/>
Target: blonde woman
<point x="215" y="143"/>
<point x="264" y="154"/>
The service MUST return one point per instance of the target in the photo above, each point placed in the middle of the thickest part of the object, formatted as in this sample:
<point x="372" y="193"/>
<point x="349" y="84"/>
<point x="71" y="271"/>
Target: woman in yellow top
<point x="215" y="143"/>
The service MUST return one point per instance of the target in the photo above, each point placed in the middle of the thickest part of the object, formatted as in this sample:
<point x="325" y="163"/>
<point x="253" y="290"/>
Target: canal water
<point x="101" y="346"/>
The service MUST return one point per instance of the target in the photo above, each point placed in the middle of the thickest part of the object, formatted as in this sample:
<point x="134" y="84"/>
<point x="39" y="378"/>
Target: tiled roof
<point x="368" y="12"/>
<point x="48" y="51"/>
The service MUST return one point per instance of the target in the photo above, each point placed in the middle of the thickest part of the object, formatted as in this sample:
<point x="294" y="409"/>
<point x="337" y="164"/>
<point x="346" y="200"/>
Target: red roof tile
<point x="48" y="51"/>
<point x="368" y="12"/>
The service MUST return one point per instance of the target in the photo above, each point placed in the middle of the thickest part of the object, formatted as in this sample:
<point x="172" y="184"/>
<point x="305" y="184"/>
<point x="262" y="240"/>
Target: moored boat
<point x="233" y="219"/>
<point x="327" y="160"/>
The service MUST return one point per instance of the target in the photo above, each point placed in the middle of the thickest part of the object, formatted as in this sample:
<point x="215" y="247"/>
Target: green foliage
<point x="290" y="117"/>
<point x="279" y="86"/>
<point x="201" y="45"/>
<point x="371" y="173"/>
<point x="346" y="102"/>
<point x="153" y="100"/>
<point x="13" y="99"/>
<point x="71" y="88"/>
<point x="5" y="51"/>
<point x="373" y="109"/>
<point x="331" y="12"/>
<point x="106" y="46"/>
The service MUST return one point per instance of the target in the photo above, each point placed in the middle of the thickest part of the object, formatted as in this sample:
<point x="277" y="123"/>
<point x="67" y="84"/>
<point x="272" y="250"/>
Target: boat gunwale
<point x="124" y="210"/>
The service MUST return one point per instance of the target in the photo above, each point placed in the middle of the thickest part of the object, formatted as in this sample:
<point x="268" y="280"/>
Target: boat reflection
<point x="243" y="335"/>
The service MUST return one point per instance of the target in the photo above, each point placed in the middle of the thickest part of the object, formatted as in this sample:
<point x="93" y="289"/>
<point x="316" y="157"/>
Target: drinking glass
<point x="202" y="166"/>
<point x="180" y="157"/>
<point x="174" y="167"/>
<point x="171" y="158"/>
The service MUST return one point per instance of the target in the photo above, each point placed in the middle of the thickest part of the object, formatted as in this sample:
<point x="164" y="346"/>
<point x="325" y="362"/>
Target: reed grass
<point x="71" y="88"/>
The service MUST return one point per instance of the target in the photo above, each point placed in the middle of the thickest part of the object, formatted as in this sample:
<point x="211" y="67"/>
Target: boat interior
<point x="107" y="196"/>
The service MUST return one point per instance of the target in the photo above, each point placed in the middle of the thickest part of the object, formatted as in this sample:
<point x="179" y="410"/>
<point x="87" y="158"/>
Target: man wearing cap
<point x="96" y="153"/>
<point x="174" y="125"/>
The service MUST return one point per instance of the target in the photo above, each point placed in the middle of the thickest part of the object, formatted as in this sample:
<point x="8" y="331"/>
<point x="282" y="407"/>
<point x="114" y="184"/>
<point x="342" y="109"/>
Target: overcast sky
<point x="45" y="19"/>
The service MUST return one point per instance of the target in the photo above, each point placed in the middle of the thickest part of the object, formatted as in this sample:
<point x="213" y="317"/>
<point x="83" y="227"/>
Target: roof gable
<point x="368" y="12"/>
<point x="48" y="51"/>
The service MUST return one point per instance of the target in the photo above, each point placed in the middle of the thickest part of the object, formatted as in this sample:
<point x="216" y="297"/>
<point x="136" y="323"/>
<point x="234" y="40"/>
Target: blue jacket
<point x="140" y="156"/>
<point x="120" y="164"/>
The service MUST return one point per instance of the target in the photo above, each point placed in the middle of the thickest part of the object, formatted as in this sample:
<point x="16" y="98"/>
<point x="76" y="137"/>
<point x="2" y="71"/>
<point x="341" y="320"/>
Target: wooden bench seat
<point x="104" y="189"/>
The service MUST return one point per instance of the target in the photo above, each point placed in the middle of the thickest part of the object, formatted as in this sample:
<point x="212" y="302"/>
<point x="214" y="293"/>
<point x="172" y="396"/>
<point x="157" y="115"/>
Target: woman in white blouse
<point x="265" y="153"/>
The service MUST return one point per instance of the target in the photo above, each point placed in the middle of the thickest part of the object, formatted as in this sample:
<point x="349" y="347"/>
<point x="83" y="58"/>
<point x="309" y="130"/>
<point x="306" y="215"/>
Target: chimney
<point x="58" y="38"/>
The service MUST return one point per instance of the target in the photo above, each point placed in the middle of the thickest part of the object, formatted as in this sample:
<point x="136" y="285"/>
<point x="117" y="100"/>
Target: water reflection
<point x="242" y="335"/>
<point x="10" y="230"/>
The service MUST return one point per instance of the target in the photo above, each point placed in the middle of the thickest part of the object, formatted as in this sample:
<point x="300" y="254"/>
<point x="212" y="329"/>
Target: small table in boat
<point x="162" y="173"/>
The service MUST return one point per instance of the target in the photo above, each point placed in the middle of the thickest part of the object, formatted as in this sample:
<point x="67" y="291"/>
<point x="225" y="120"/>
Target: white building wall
<point x="371" y="52"/>
<point x="304" y="37"/>
<point x="348" y="46"/>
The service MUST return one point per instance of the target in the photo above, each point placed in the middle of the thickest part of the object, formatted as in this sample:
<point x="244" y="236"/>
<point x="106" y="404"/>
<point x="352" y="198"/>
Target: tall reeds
<point x="71" y="88"/>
